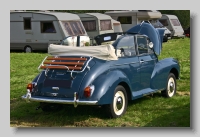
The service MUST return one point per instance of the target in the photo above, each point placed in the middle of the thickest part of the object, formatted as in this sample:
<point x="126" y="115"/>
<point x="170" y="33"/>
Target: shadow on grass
<point x="66" y="116"/>
<point x="25" y="114"/>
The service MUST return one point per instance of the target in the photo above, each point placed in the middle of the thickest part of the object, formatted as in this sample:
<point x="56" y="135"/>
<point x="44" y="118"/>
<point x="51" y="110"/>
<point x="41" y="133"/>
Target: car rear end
<point x="60" y="80"/>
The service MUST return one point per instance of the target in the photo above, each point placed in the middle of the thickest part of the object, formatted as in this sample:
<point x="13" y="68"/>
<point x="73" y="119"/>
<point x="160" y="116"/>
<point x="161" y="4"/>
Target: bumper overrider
<point x="74" y="101"/>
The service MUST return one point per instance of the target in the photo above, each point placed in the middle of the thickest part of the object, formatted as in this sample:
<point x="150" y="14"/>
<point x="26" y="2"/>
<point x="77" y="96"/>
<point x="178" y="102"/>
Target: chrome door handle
<point x="141" y="61"/>
<point x="55" y="88"/>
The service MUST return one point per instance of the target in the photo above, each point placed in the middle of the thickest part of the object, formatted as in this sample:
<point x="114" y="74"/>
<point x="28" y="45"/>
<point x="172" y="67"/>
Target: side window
<point x="89" y="25"/>
<point x="142" y="44"/>
<point x="47" y="27"/>
<point x="125" y="46"/>
<point x="105" y="24"/>
<point x="125" y="19"/>
<point x="27" y="23"/>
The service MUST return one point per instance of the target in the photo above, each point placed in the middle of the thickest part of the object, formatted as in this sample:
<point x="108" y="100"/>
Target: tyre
<point x="170" y="90"/>
<point x="119" y="104"/>
<point x="165" y="38"/>
<point x="47" y="107"/>
<point x="27" y="49"/>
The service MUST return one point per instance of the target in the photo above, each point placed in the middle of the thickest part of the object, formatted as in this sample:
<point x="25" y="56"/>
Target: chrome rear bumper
<point x="74" y="101"/>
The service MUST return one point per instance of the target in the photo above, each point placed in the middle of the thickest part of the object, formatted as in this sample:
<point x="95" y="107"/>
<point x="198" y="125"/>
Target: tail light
<point x="30" y="86"/>
<point x="88" y="91"/>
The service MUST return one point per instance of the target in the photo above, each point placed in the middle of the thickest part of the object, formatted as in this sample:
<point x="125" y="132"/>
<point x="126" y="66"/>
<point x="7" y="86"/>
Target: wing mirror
<point x="151" y="45"/>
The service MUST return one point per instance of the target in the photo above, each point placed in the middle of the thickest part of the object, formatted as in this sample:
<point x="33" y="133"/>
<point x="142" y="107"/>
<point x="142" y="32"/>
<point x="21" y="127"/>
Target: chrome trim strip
<point x="60" y="101"/>
<point x="131" y="63"/>
<point x="125" y="64"/>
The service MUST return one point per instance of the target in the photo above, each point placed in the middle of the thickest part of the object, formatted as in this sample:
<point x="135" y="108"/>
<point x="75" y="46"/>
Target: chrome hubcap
<point x="171" y="88"/>
<point x="119" y="103"/>
<point x="28" y="49"/>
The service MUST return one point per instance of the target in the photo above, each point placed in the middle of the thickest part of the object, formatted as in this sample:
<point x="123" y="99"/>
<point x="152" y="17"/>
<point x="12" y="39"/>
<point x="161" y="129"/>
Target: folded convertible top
<point x="104" y="52"/>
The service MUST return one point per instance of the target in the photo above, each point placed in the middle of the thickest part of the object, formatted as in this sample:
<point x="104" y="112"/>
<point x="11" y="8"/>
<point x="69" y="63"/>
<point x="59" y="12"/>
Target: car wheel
<point x="119" y="104"/>
<point x="165" y="39"/>
<point x="170" y="90"/>
<point x="27" y="49"/>
<point x="47" y="107"/>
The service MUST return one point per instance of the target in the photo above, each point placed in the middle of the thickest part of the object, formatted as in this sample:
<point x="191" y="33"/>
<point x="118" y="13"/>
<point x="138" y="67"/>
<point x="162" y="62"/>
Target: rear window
<point x="74" y="28"/>
<point x="175" y="22"/>
<point x="164" y="22"/>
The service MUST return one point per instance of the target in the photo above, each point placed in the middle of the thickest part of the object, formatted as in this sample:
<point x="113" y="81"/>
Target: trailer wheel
<point x="119" y="104"/>
<point x="27" y="49"/>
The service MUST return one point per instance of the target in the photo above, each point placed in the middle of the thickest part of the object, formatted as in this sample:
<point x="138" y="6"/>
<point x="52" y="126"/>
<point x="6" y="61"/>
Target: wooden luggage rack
<point x="72" y="64"/>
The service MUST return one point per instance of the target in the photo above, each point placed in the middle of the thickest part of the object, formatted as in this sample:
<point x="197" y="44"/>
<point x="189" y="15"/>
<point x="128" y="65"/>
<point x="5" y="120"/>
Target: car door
<point x="128" y="59"/>
<point x="147" y="61"/>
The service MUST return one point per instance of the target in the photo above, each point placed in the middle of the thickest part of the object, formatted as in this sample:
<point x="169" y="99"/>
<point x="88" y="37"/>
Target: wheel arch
<point x="127" y="88"/>
<point x="175" y="72"/>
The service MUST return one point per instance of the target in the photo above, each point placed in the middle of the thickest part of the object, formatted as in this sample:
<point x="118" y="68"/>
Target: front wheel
<point x="119" y="104"/>
<point x="170" y="90"/>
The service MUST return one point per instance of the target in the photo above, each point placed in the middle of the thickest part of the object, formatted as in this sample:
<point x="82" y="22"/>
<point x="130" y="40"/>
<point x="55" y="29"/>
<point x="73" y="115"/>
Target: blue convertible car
<point x="105" y="75"/>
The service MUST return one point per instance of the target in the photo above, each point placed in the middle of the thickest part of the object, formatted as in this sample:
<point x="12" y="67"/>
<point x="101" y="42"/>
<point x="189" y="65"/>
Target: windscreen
<point x="74" y="28"/>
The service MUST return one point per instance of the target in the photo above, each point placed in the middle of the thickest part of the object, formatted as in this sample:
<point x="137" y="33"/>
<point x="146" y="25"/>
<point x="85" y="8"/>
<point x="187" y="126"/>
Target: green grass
<point x="149" y="111"/>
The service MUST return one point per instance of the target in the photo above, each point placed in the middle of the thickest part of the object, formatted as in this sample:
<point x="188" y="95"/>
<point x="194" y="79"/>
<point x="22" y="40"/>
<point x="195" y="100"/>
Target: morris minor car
<point x="106" y="75"/>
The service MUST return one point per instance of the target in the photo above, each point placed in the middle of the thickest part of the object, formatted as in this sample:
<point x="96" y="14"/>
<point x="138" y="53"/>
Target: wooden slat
<point x="52" y="58"/>
<point x="65" y="63"/>
<point x="61" y="67"/>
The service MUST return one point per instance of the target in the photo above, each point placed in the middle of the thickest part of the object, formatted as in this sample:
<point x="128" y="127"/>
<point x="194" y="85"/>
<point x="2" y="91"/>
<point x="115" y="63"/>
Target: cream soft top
<point x="104" y="52"/>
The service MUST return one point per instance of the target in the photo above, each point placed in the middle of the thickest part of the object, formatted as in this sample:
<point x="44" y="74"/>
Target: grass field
<point x="149" y="111"/>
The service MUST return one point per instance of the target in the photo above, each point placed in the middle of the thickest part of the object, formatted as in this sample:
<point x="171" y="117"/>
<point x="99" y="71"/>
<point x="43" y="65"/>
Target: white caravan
<point x="173" y="24"/>
<point x="130" y="18"/>
<point x="96" y="24"/>
<point x="36" y="30"/>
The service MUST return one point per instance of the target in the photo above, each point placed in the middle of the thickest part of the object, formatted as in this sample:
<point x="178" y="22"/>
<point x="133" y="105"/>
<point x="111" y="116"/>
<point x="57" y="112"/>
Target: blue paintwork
<point x="140" y="78"/>
<point x="155" y="35"/>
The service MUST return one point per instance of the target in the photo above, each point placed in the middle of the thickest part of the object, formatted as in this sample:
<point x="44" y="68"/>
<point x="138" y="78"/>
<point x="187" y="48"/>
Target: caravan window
<point x="27" y="23"/>
<point x="74" y="28"/>
<point x="175" y="22"/>
<point x="47" y="27"/>
<point x="90" y="25"/>
<point x="125" y="19"/>
<point x="105" y="24"/>
<point x="164" y="22"/>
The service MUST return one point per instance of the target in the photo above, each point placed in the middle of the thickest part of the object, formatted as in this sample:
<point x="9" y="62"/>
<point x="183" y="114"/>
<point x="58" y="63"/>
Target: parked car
<point x="105" y="75"/>
<point x="187" y="32"/>
<point x="167" y="33"/>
